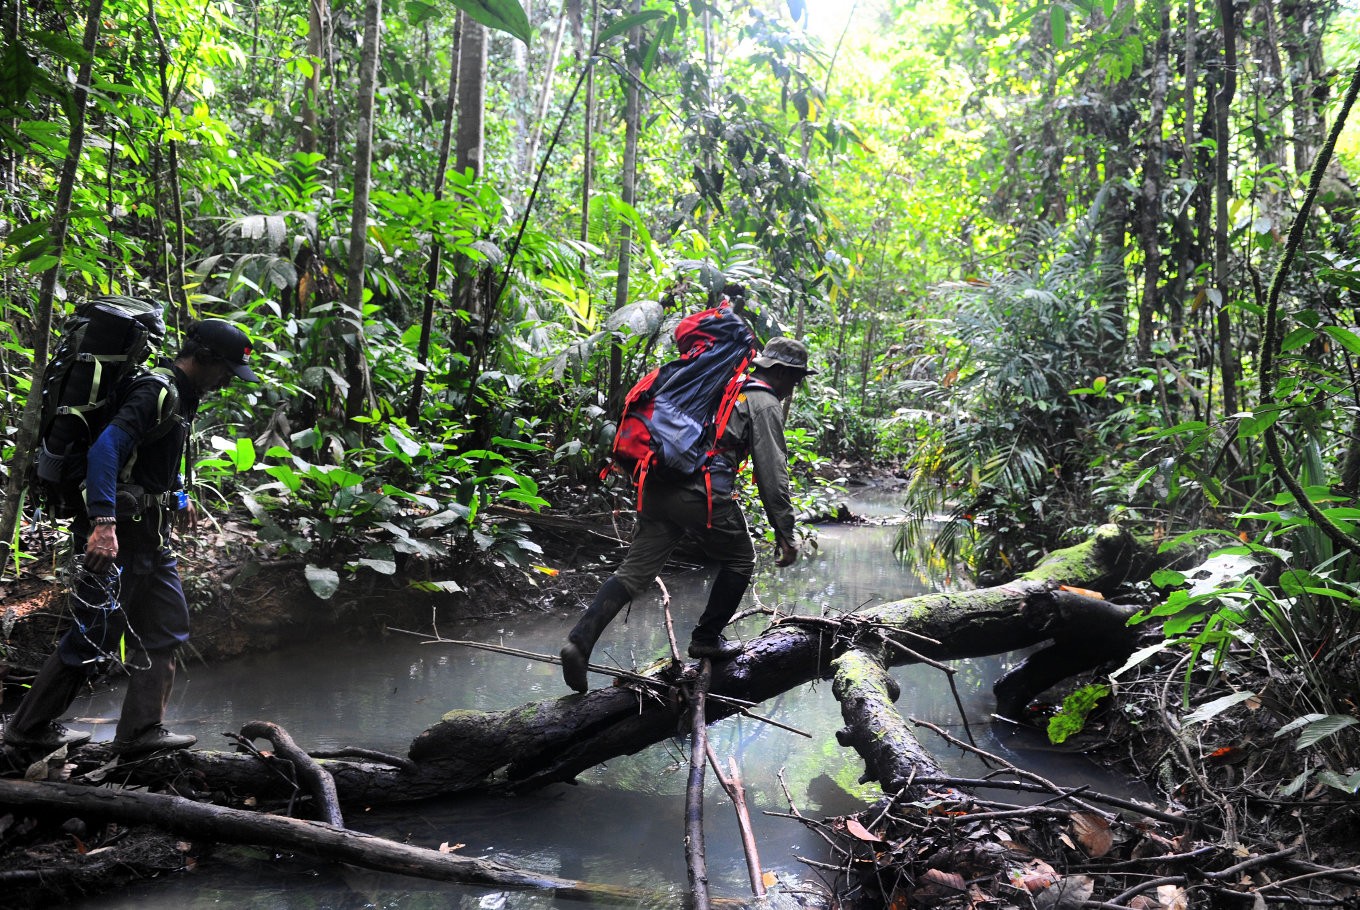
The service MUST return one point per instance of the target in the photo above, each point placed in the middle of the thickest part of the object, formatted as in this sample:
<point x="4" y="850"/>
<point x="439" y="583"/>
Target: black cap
<point x="227" y="341"/>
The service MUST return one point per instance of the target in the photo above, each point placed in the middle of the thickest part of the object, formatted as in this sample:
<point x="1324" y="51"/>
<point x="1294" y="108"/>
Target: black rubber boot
<point x="34" y="723"/>
<point x="609" y="600"/>
<point x="139" y="725"/>
<point x="723" y="599"/>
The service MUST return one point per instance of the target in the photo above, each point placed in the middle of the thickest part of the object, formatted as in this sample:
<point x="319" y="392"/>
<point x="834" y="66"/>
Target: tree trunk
<point x="468" y="152"/>
<point x="1302" y="24"/>
<point x="472" y="61"/>
<point x="1185" y="225"/>
<point x="435" y="263"/>
<point x="360" y="396"/>
<point x="545" y="94"/>
<point x="1150" y="213"/>
<point x="632" y="116"/>
<point x="588" y="126"/>
<point x="318" y="14"/>
<point x="174" y="270"/>
<point x="61" y="212"/>
<point x="1227" y="353"/>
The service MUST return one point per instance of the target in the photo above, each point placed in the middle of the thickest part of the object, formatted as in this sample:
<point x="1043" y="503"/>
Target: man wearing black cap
<point x="672" y="508"/>
<point x="126" y="593"/>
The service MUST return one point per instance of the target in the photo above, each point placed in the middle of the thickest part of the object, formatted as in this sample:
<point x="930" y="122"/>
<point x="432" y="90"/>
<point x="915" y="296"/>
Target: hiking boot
<point x="724" y="597"/>
<point x="47" y="738"/>
<point x="575" y="654"/>
<point x="722" y="649"/>
<point x="574" y="665"/>
<point x="153" y="739"/>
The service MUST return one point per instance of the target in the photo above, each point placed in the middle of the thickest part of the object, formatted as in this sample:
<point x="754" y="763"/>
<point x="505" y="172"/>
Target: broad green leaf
<point x="1142" y="654"/>
<point x="1217" y="706"/>
<point x="1348" y="784"/>
<point x="285" y="475"/>
<point x="242" y="455"/>
<point x="502" y="15"/>
<point x="1297" y="339"/>
<point x="1166" y="578"/>
<point x="1323" y="727"/>
<point x="323" y="582"/>
<point x="381" y="566"/>
<point x="1296" y="723"/>
<point x="627" y="23"/>
<point x="1344" y="337"/>
<point x="1058" y="25"/>
<point x="447" y="587"/>
<point x="418" y="12"/>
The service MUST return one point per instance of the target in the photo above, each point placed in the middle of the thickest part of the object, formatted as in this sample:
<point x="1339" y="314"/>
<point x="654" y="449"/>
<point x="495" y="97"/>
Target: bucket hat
<point x="785" y="352"/>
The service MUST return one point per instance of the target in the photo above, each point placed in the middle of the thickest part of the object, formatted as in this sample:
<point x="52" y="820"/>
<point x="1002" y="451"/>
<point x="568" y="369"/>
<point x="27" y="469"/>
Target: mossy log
<point x="892" y="755"/>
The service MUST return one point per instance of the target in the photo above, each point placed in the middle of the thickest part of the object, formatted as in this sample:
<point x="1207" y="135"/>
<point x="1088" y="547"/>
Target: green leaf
<point x="1297" y="339"/>
<point x="323" y="582"/>
<point x="285" y="475"/>
<point x="418" y="12"/>
<point x="242" y="455"/>
<point x="446" y="587"/>
<point x="502" y="15"/>
<point x="1057" y="20"/>
<point x="1257" y="423"/>
<point x="1344" y="337"/>
<point x="1217" y="706"/>
<point x="1166" y="578"/>
<point x="381" y="566"/>
<point x="1347" y="784"/>
<point x="1323" y="727"/>
<point x="627" y="23"/>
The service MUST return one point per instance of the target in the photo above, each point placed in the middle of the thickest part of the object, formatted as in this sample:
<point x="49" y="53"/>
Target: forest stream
<point x="624" y="822"/>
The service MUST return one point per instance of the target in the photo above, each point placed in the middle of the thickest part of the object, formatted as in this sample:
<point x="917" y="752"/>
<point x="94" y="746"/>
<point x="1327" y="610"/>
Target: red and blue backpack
<point x="674" y="416"/>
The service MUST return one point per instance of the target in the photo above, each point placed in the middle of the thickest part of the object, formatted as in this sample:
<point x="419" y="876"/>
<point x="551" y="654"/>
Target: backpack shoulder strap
<point x="167" y="401"/>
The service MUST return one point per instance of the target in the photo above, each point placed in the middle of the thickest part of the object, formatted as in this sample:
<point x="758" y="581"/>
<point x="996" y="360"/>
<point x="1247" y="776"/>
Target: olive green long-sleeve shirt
<point x="756" y="428"/>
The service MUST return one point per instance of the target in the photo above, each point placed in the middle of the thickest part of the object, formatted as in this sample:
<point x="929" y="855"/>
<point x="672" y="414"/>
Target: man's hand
<point x="788" y="553"/>
<point x="101" y="549"/>
<point x="186" y="519"/>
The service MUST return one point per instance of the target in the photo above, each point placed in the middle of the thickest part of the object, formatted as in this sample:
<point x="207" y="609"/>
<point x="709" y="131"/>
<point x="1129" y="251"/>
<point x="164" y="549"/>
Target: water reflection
<point x="624" y="822"/>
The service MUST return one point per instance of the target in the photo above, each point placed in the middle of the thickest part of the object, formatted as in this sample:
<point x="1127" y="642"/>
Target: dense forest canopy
<point x="1061" y="262"/>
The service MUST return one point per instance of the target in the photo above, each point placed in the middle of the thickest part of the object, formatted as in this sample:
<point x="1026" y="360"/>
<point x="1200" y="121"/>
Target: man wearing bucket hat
<point x="674" y="508"/>
<point x="126" y="595"/>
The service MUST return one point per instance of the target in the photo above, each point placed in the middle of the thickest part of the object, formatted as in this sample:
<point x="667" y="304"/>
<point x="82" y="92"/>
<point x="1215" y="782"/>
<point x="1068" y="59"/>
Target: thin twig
<point x="1019" y="772"/>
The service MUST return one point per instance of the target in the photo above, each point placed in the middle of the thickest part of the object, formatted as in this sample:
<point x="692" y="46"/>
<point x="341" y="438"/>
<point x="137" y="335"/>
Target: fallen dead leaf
<point x="769" y="879"/>
<point x="1172" y="897"/>
<point x="1068" y="894"/>
<point x="1093" y="832"/>
<point x="858" y="830"/>
<point x="947" y="879"/>
<point x="1035" y="876"/>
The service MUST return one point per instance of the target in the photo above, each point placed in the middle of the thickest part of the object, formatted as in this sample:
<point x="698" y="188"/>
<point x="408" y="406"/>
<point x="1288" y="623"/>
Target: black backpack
<point x="100" y="357"/>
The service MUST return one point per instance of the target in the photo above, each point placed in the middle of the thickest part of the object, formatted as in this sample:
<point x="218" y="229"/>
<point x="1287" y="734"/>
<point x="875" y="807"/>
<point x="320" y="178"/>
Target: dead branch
<point x="319" y="781"/>
<point x="215" y="823"/>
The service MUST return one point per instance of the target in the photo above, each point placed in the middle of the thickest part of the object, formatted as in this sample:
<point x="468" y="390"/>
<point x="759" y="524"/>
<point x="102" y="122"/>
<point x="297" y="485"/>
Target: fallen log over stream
<point x="552" y="741"/>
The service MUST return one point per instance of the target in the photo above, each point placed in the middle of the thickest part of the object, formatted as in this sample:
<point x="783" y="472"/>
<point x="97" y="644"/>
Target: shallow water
<point x="624" y="822"/>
